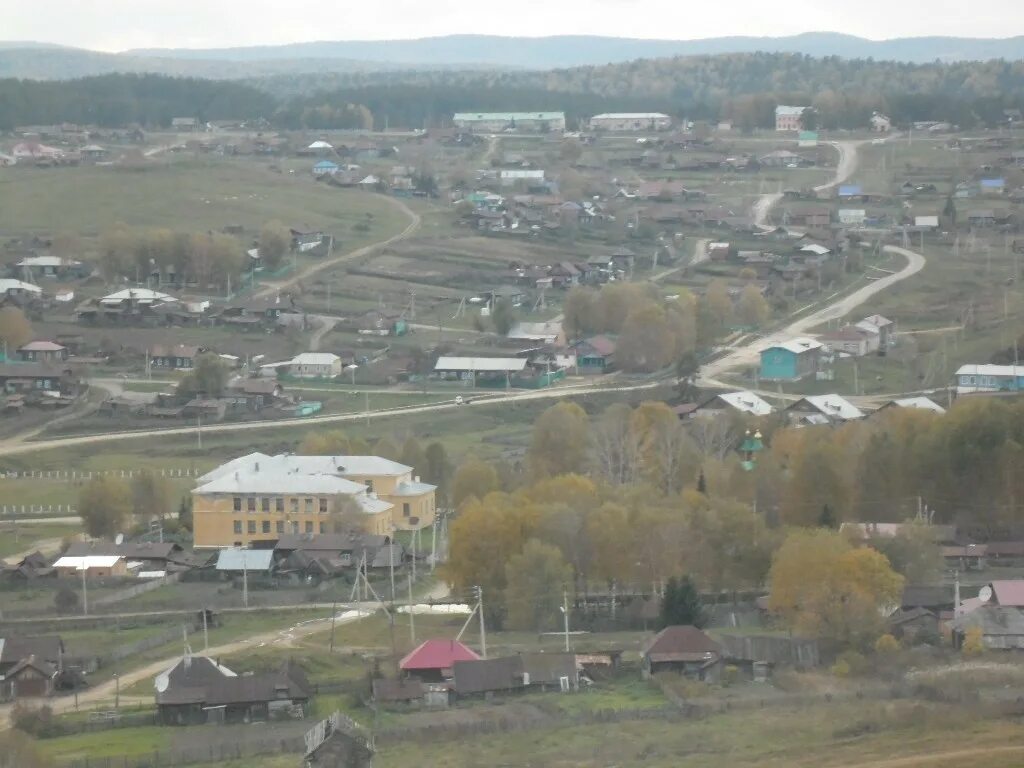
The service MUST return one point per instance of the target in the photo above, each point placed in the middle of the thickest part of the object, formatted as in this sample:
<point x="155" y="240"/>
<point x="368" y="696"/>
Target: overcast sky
<point x="114" y="25"/>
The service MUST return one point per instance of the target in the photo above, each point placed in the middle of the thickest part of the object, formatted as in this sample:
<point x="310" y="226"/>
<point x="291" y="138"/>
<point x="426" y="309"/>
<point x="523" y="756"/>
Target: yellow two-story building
<point x="259" y="498"/>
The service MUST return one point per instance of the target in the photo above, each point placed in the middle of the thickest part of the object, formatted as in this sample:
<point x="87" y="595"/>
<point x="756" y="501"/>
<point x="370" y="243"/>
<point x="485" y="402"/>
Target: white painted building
<point x="631" y="121"/>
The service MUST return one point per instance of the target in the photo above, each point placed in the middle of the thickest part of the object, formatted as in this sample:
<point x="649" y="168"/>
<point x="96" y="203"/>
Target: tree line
<point x="113" y="101"/>
<point x="635" y="497"/>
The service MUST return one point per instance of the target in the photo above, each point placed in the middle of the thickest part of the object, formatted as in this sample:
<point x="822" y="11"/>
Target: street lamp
<point x="564" y="608"/>
<point x="352" y="369"/>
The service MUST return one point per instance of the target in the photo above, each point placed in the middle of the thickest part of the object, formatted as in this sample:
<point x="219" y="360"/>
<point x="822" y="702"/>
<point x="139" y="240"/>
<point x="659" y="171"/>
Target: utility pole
<point x="85" y="592"/>
<point x="391" y="563"/>
<point x="415" y="536"/>
<point x="412" y="613"/>
<point x="245" y="581"/>
<point x="199" y="431"/>
<point x="334" y="616"/>
<point x="367" y="396"/>
<point x="206" y="634"/>
<point x="565" y="617"/>
<point x="483" y="627"/>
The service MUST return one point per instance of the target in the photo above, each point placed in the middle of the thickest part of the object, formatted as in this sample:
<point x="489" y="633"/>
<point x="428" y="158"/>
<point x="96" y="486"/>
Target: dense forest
<point x="742" y="87"/>
<point x="119" y="100"/>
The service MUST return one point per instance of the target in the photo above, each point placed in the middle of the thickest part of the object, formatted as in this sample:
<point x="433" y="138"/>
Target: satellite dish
<point x="161" y="682"/>
<point x="985" y="594"/>
<point x="119" y="539"/>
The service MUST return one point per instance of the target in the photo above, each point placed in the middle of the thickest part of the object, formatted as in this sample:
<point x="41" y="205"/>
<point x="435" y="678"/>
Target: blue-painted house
<point x="325" y="168"/>
<point x="989" y="378"/>
<point x="791" y="360"/>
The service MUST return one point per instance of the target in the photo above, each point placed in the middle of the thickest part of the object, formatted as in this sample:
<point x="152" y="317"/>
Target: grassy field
<point x="15" y="538"/>
<point x="197" y="193"/>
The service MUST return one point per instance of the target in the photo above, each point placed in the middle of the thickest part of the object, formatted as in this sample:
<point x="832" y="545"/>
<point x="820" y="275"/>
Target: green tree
<point x="681" y="604"/>
<point x="386" y="448"/>
<point x="503" y="316"/>
<point x="473" y="479"/>
<point x="105" y="504"/>
<point x="15" y="330"/>
<point x="18" y="750"/>
<point x="65" y="601"/>
<point x="209" y="377"/>
<point x="752" y="308"/>
<point x="535" y="579"/>
<point x="152" y="496"/>
<point x="580" y="312"/>
<point x="438" y="469"/>
<point x="646" y="342"/>
<point x="332" y="443"/>
<point x="560" y="441"/>
<point x="413" y="455"/>
<point x="275" y="240"/>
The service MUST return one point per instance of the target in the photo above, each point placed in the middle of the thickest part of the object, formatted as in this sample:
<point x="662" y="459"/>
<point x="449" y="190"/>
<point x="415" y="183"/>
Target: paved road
<point x="414" y="224"/>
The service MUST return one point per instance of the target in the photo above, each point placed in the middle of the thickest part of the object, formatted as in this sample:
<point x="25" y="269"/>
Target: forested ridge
<point x="742" y="87"/>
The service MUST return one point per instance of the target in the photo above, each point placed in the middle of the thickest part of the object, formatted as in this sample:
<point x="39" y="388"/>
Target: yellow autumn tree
<point x="821" y="586"/>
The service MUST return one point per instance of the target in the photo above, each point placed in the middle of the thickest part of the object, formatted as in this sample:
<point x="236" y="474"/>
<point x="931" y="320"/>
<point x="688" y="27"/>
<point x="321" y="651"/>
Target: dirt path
<point x="14" y="447"/>
<point x="959" y="757"/>
<point x="749" y="353"/>
<point x="324" y="326"/>
<point x="414" y="224"/>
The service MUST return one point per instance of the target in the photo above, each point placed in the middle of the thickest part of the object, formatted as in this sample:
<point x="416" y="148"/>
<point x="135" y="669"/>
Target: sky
<point x="116" y="25"/>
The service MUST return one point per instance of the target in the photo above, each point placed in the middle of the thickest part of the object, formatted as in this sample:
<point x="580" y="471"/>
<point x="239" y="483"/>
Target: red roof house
<point x="434" y="659"/>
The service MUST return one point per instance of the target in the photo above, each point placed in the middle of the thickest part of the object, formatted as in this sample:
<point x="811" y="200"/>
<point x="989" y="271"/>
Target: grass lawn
<point x="199" y="194"/>
<point x="810" y="737"/>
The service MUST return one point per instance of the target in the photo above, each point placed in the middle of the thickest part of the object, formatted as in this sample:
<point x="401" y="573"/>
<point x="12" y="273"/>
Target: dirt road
<point x="14" y="447"/>
<point x="846" y="166"/>
<point x="304" y="274"/>
<point x="934" y="760"/>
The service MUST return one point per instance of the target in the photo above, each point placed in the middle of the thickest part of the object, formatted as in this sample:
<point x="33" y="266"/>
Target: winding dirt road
<point x="415" y="220"/>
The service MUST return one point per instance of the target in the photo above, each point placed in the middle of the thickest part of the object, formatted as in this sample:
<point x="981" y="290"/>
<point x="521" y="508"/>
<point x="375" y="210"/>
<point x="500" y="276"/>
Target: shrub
<point x="974" y="643"/>
<point x="841" y="668"/>
<point x="35" y="721"/>
<point x="66" y="600"/>
<point x="887" y="644"/>
<point x="730" y="675"/>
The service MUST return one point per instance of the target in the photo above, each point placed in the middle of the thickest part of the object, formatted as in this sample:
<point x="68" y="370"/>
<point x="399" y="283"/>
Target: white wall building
<point x="631" y="121"/>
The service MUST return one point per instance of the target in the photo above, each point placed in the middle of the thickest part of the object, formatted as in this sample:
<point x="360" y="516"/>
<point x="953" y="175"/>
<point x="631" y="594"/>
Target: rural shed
<point x="239" y="560"/>
<point x="493" y="371"/>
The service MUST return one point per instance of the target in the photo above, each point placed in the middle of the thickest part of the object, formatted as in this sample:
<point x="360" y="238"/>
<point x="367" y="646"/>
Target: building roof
<point x="630" y="116"/>
<point x="601" y="345"/>
<point x="916" y="403"/>
<point x="173" y="350"/>
<point x="397" y="690"/>
<point x="42" y="346"/>
<point x="535" y="331"/>
<point x="1008" y="593"/>
<point x="470" y="117"/>
<point x="30" y="371"/>
<point x="746" y="402"/>
<point x="786" y="111"/>
<point x="681" y="643"/>
<point x="315" y="358"/>
<point x="15" y="648"/>
<point x="850" y="190"/>
<point x="245" y="559"/>
<point x="319" y="145"/>
<point x="797" y="346"/>
<point x="85" y="562"/>
<point x="329" y="542"/>
<point x="131" y="550"/>
<point x="994" y="620"/>
<point x="846" y="333"/>
<point x="835" y="407"/>
<point x="548" y="667"/>
<point x="816" y="249"/>
<point x="927" y="595"/>
<point x="437" y="654"/>
<point x="926" y="221"/>
<point x="139" y="295"/>
<point x="990" y="370"/>
<point x="7" y="285"/>
<point x="258" y="473"/>
<point x="46" y="261"/>
<point x="481" y="364"/>
<point x="483" y="675"/>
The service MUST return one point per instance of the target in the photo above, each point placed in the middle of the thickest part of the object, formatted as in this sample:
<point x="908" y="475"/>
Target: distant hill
<point x="570" y="51"/>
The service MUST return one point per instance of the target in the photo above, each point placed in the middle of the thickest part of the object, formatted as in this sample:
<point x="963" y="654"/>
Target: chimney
<point x="257" y="467"/>
<point x="416" y="479"/>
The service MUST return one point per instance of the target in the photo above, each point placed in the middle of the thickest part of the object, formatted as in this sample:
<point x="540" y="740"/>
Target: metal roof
<point x="481" y="364"/>
<point x="7" y="285"/>
<point x="918" y="403"/>
<point x="631" y="116"/>
<point x="142" y="295"/>
<point x="438" y="654"/>
<point x="470" y="117"/>
<point x="834" y="407"/>
<point x="797" y="346"/>
<point x="747" y="402"/>
<point x="782" y="110"/>
<point x="990" y="370"/>
<point x="315" y="358"/>
<point x="85" y="562"/>
<point x="245" y="559"/>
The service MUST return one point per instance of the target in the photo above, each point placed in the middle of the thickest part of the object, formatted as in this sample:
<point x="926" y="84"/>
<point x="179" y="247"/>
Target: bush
<point x="35" y="721"/>
<point x="841" y="668"/>
<point x="929" y="637"/>
<point x="974" y="643"/>
<point x="855" y="662"/>
<point x="66" y="600"/>
<point x="887" y="644"/>
<point x="730" y="675"/>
